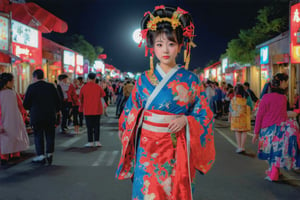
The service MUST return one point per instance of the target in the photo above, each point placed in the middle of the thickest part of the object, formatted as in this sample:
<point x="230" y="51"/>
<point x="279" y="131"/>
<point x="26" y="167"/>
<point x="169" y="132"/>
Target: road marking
<point x="227" y="138"/>
<point x="112" y="158"/>
<point x="71" y="141"/>
<point x="100" y="158"/>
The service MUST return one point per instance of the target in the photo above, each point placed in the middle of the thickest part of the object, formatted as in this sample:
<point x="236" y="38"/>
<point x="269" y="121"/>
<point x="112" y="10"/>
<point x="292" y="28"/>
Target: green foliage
<point x="80" y="45"/>
<point x="271" y="21"/>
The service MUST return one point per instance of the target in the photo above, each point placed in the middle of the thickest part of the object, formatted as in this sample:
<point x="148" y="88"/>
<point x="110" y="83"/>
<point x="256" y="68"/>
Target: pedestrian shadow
<point x="82" y="149"/>
<point x="31" y="171"/>
<point x="249" y="154"/>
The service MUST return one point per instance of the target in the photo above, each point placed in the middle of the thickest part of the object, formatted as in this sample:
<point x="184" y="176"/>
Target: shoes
<point x="39" y="159"/>
<point x="240" y="150"/>
<point x="49" y="159"/>
<point x="89" y="144"/>
<point x="98" y="144"/>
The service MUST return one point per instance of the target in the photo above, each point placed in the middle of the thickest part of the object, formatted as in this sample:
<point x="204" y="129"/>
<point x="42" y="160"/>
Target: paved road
<point x="88" y="173"/>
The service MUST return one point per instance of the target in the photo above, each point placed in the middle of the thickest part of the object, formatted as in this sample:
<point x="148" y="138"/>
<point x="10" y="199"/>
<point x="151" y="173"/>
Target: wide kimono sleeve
<point x="200" y="125"/>
<point x="133" y="102"/>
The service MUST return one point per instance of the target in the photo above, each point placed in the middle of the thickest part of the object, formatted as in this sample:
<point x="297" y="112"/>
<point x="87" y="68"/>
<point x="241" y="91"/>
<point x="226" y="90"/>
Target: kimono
<point x="240" y="111"/>
<point x="162" y="164"/>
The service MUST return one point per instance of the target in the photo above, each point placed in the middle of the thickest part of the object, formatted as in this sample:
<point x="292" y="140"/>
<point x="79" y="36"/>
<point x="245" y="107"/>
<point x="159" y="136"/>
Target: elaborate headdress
<point x="175" y="21"/>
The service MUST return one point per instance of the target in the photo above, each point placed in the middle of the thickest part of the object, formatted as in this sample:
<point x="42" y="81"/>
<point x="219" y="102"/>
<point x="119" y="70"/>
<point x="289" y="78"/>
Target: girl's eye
<point x="158" y="44"/>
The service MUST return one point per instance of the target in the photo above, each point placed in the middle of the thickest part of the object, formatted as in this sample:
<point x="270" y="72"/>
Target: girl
<point x="166" y="125"/>
<point x="277" y="135"/>
<point x="240" y="110"/>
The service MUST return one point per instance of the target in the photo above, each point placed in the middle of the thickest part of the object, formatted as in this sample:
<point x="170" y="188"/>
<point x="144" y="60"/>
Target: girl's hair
<point x="4" y="79"/>
<point x="166" y="27"/>
<point x="240" y="90"/>
<point x="275" y="84"/>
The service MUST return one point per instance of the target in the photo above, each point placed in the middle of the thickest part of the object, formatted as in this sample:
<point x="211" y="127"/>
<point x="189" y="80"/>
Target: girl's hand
<point x="177" y="124"/>
<point x="255" y="138"/>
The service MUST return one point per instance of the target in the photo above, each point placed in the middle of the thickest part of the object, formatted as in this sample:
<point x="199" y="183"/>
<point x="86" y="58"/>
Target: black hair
<point x="62" y="77"/>
<point x="240" y="90"/>
<point x="97" y="80"/>
<point x="275" y="84"/>
<point x="166" y="27"/>
<point x="246" y="84"/>
<point x="5" y="78"/>
<point x="38" y="73"/>
<point x="92" y="76"/>
<point x="79" y="78"/>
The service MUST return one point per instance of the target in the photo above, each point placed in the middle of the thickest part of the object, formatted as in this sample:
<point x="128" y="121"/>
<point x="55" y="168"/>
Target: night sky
<point x="110" y="24"/>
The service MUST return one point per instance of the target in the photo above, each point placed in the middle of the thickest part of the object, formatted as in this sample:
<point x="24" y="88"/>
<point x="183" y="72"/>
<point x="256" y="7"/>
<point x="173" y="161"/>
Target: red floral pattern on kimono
<point x="162" y="164"/>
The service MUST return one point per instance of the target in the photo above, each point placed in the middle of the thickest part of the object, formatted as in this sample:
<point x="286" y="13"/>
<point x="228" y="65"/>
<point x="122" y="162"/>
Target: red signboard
<point x="29" y="54"/>
<point x="295" y="33"/>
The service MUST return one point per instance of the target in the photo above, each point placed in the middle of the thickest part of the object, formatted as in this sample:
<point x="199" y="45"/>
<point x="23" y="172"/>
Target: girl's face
<point x="166" y="50"/>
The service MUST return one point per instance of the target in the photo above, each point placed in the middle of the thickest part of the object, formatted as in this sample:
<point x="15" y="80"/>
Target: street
<point x="88" y="173"/>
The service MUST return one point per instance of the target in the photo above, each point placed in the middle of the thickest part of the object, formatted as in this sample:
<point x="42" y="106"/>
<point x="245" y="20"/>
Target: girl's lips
<point x="166" y="57"/>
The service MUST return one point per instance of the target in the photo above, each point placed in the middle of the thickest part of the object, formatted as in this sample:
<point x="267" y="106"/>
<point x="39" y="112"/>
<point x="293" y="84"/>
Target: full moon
<point x="136" y="36"/>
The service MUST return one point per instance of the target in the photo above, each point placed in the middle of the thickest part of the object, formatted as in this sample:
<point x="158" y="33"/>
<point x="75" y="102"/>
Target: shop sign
<point x="264" y="55"/>
<point x="99" y="66"/>
<point x="295" y="33"/>
<point x="3" y="33"/>
<point x="69" y="58"/>
<point x="224" y="64"/>
<point x="27" y="53"/>
<point x="25" y="35"/>
<point x="79" y="59"/>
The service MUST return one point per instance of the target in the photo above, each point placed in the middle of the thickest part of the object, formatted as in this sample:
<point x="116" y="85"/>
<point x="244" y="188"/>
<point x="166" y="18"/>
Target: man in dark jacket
<point x="42" y="100"/>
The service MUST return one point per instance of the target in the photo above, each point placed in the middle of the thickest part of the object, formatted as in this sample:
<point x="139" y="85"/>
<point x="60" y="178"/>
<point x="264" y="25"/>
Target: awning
<point x="5" y="57"/>
<point x="35" y="16"/>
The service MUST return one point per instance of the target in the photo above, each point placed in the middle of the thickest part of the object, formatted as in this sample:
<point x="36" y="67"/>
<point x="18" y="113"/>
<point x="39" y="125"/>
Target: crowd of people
<point x="46" y="106"/>
<point x="276" y="121"/>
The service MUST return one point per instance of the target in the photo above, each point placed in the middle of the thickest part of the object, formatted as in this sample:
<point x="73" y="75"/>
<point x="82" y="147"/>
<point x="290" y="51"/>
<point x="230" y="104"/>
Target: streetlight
<point x="136" y="36"/>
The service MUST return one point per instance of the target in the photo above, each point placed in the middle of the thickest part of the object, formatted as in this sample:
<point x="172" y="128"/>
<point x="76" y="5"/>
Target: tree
<point x="271" y="21"/>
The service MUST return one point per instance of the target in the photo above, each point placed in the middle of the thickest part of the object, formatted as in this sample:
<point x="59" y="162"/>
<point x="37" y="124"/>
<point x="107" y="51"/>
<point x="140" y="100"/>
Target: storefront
<point x="79" y="65"/>
<point x="27" y="45"/>
<point x="69" y="63"/>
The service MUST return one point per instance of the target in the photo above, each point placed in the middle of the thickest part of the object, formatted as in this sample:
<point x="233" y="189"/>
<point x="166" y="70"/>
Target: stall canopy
<point x="35" y="16"/>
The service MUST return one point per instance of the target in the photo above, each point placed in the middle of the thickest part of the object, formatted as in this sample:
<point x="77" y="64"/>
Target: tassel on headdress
<point x="151" y="65"/>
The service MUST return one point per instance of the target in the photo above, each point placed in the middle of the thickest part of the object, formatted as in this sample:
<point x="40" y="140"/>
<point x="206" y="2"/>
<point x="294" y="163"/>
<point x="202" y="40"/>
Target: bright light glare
<point x="136" y="36"/>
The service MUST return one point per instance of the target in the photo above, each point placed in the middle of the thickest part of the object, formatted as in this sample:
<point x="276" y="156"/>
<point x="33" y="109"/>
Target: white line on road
<point x="100" y="158"/>
<point x="112" y="158"/>
<point x="71" y="141"/>
<point x="226" y="137"/>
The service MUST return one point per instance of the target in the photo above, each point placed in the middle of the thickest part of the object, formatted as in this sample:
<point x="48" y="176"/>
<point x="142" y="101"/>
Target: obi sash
<point x="157" y="122"/>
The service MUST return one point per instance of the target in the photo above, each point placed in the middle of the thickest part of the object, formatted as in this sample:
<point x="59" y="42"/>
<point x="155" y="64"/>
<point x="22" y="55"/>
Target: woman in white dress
<point x="13" y="134"/>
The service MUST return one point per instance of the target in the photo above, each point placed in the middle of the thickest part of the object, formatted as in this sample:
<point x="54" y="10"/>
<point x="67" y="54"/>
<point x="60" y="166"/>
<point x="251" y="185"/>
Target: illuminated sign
<point x="69" y="58"/>
<point x="27" y="53"/>
<point x="79" y="60"/>
<point x="23" y="34"/>
<point x="224" y="64"/>
<point x="295" y="33"/>
<point x="3" y="33"/>
<point x="264" y="55"/>
<point x="99" y="66"/>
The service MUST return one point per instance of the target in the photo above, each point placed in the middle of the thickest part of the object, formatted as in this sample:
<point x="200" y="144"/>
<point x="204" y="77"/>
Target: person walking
<point x="166" y="120"/>
<point x="43" y="102"/>
<point x="63" y="89"/>
<point x="73" y="94"/>
<point x="239" y="116"/>
<point x="13" y="135"/>
<point x="277" y="135"/>
<point x="91" y="104"/>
